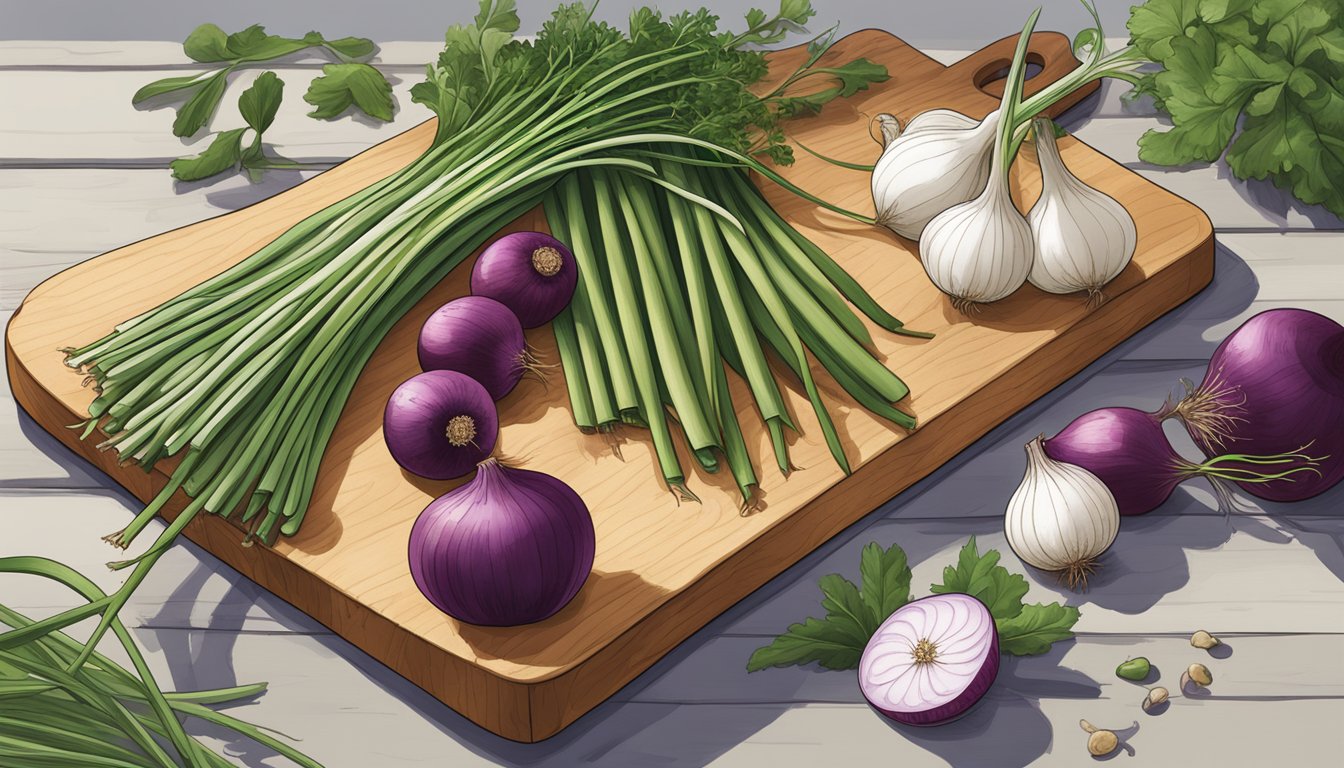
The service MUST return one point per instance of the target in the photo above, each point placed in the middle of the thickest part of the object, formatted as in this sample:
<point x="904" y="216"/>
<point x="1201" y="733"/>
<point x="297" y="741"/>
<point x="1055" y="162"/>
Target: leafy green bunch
<point x="1262" y="80"/>
<point x="350" y="81"/>
<point x="693" y="79"/>
<point x="854" y="613"/>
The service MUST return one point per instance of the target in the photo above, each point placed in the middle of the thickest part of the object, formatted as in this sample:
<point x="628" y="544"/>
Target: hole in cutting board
<point x="991" y="76"/>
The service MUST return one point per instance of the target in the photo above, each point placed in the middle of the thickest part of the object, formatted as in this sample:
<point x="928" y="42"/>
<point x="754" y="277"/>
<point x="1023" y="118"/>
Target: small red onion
<point x="480" y="337"/>
<point x="439" y="424"/>
<point x="531" y="273"/>
<point x="931" y="660"/>
<point x="1275" y="385"/>
<point x="510" y="547"/>
<point x="1128" y="451"/>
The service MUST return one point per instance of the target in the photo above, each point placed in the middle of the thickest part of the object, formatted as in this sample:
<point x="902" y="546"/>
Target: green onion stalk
<point x="244" y="376"/>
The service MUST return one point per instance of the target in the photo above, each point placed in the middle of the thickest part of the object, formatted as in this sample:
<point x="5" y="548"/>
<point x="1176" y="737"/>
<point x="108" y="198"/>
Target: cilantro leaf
<point x="194" y="114"/>
<point x="170" y="84"/>
<point x="1154" y="24"/>
<point x="253" y="44"/>
<point x="852" y="615"/>
<point x="981" y="577"/>
<point x="352" y="47"/>
<point x="342" y="85"/>
<point x="207" y="43"/>
<point x="829" y="643"/>
<point x="1256" y="80"/>
<point x="259" y="103"/>
<point x="1032" y="631"/>
<point x="222" y="154"/>
<point x="841" y="600"/>
<point x="886" y="581"/>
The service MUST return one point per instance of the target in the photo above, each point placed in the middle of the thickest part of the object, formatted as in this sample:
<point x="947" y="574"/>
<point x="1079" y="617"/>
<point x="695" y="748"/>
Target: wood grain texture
<point x="662" y="570"/>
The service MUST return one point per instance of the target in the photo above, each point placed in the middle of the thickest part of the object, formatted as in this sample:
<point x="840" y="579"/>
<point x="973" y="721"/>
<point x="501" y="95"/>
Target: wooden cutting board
<point x="663" y="569"/>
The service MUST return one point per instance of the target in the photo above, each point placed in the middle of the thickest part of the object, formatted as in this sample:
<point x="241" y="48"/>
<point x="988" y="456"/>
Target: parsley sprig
<point x="1260" y="82"/>
<point x="853" y="613"/>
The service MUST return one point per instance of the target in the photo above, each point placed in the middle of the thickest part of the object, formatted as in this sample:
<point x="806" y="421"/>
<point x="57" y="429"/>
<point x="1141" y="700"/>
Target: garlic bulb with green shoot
<point x="1084" y="237"/>
<point x="981" y="250"/>
<point x="938" y="161"/>
<point x="1061" y="518"/>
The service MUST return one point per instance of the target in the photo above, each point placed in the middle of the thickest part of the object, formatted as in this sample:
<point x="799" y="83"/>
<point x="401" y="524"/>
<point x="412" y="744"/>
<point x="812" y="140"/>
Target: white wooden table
<point x="82" y="172"/>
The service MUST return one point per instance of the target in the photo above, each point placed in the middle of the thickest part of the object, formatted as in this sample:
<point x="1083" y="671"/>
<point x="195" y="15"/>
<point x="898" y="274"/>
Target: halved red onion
<point x="931" y="659"/>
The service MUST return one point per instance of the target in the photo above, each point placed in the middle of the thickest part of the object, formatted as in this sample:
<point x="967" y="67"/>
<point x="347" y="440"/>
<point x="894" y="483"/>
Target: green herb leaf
<point x="852" y="614"/>
<point x="1035" y="628"/>
<point x="886" y="581"/>
<point x="170" y="84"/>
<point x="981" y="577"/>
<point x="259" y="103"/>
<point x="342" y="85"/>
<point x="829" y="643"/>
<point x="223" y="154"/>
<point x="253" y="44"/>
<point x="1269" y="68"/>
<point x="842" y="601"/>
<point x="352" y="47"/>
<point x="207" y="43"/>
<point x="193" y="115"/>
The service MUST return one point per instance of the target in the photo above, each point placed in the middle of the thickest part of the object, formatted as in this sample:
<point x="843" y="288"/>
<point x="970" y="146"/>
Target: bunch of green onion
<point x="64" y="707"/>
<point x="714" y="289"/>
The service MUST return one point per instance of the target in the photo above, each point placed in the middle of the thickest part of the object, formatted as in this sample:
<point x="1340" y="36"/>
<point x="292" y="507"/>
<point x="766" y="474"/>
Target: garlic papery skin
<point x="1061" y="518"/>
<point x="1084" y="237"/>
<point x="979" y="251"/>
<point x="932" y="165"/>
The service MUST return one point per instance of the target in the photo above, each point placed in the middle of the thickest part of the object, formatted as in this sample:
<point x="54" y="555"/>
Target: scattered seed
<point x="1156" y="697"/>
<point x="1202" y="639"/>
<point x="1197" y="674"/>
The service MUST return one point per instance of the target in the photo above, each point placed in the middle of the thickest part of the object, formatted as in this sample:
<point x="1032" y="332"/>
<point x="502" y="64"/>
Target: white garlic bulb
<point x="980" y="250"/>
<point x="1084" y="237"/>
<point x="1061" y="518"/>
<point x="935" y="163"/>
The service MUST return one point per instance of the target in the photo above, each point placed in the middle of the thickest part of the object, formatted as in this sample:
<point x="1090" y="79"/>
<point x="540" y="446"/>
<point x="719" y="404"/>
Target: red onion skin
<point x="962" y="704"/>
<point x="510" y="547"/>
<point x="1127" y="450"/>
<point x="505" y="272"/>
<point x="415" y="424"/>
<point x="478" y="336"/>
<point x="1282" y="374"/>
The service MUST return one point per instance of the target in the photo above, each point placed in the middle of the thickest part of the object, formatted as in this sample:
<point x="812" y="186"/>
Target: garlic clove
<point x="1084" y="237"/>
<point x="1061" y="518"/>
<point x="931" y="166"/>
<point x="978" y="251"/>
<point x="1204" y="640"/>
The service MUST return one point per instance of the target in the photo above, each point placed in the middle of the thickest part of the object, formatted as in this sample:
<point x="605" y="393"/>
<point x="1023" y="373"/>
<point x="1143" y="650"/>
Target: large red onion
<point x="439" y="424"/>
<point x="931" y="659"/>
<point x="480" y="337"/>
<point x="531" y="273"/>
<point x="1275" y="385"/>
<point x="510" y="547"/>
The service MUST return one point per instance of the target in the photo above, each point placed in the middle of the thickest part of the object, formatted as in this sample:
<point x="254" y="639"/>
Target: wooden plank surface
<point x="350" y="710"/>
<point x="662" y="569"/>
